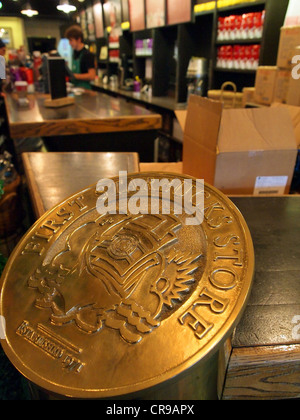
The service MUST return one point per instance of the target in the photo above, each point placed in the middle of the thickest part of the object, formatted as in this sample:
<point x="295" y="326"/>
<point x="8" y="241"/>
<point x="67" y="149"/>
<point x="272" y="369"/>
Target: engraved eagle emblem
<point x="129" y="264"/>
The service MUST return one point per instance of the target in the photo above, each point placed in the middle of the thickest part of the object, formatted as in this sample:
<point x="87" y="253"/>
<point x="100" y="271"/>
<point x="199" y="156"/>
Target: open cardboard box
<point x="294" y="112"/>
<point x="239" y="151"/>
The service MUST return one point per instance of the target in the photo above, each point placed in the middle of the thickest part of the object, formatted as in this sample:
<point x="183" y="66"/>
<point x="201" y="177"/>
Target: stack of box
<point x="239" y="151"/>
<point x="281" y="83"/>
<point x="289" y="42"/>
<point x="266" y="77"/>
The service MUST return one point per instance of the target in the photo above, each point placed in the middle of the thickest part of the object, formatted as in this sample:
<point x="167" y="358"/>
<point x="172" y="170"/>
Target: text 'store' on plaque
<point x="100" y="306"/>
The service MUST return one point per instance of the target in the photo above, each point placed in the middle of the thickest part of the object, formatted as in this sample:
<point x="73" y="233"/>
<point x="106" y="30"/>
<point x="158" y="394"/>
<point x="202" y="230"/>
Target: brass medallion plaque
<point x="106" y="305"/>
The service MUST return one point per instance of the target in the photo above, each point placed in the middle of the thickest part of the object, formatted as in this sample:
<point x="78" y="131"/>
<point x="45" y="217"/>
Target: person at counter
<point x="84" y="64"/>
<point x="2" y="52"/>
<point x="2" y="48"/>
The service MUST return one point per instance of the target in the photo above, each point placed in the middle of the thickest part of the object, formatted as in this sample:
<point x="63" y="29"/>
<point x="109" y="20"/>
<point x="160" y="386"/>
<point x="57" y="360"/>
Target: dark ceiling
<point x="46" y="8"/>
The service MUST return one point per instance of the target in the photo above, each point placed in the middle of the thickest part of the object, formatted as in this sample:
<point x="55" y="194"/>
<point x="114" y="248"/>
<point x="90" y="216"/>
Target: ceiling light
<point x="65" y="6"/>
<point x="28" y="11"/>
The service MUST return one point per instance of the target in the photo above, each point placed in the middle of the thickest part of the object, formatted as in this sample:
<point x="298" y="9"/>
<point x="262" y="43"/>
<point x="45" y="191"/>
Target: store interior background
<point x="164" y="71"/>
<point x="157" y="55"/>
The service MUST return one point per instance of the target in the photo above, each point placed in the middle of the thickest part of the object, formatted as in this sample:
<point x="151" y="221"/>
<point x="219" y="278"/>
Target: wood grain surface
<point x="265" y="358"/>
<point x="162" y="102"/>
<point x="92" y="112"/>
<point x="271" y="372"/>
<point x="274" y="224"/>
<point x="52" y="177"/>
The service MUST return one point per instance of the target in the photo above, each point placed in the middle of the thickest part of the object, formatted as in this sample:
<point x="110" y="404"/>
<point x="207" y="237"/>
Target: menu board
<point x="106" y="13"/>
<point x="83" y="24"/>
<point x="57" y="77"/>
<point x="137" y="15"/>
<point x="179" y="11"/>
<point x="115" y="13"/>
<point x="112" y="13"/>
<point x="155" y="13"/>
<point x="98" y="18"/>
<point x="125" y="11"/>
<point x="90" y="24"/>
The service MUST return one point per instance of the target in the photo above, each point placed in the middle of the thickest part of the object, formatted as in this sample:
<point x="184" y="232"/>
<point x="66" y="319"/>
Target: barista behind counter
<point x="84" y="62"/>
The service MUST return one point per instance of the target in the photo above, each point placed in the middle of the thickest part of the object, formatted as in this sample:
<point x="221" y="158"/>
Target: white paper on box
<point x="292" y="17"/>
<point x="270" y="185"/>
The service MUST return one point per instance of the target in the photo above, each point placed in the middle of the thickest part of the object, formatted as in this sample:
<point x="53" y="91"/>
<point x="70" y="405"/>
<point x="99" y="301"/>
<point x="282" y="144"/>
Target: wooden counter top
<point x="92" y="112"/>
<point x="163" y="102"/>
<point x="52" y="177"/>
<point x="265" y="354"/>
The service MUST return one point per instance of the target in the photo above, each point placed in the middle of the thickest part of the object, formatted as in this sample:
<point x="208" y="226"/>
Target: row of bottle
<point x="239" y="57"/>
<point x="246" y="26"/>
<point x="144" y="47"/>
<point x="7" y="170"/>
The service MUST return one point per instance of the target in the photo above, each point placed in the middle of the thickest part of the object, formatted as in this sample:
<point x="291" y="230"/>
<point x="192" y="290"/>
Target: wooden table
<point x="264" y="352"/>
<point x="163" y="105"/>
<point x="96" y="122"/>
<point x="265" y="357"/>
<point x="163" y="102"/>
<point x="52" y="177"/>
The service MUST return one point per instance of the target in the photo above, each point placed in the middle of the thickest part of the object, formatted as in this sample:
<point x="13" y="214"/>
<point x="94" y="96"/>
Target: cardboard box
<point x="265" y="82"/>
<point x="293" y="89"/>
<point x="248" y="95"/>
<point x="282" y="86"/>
<point x="294" y="112"/>
<point x="293" y="94"/>
<point x="174" y="167"/>
<point x="177" y="132"/>
<point x="239" y="151"/>
<point x="289" y="40"/>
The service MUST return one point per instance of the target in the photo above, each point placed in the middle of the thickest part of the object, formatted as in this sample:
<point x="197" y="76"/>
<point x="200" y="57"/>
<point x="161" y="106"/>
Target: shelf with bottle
<point x="246" y="27"/>
<point x="114" y="56"/>
<point x="113" y="40"/>
<point x="238" y="57"/>
<point x="144" y="47"/>
<point x="113" y="46"/>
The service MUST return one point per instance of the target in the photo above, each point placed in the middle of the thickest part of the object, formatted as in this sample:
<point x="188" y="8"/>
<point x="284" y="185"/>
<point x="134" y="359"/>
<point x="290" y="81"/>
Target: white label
<point x="270" y="185"/>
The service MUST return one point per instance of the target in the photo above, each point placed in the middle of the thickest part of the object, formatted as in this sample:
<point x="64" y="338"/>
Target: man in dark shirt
<point x="84" y="65"/>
